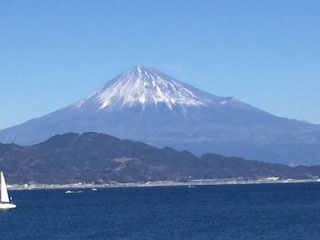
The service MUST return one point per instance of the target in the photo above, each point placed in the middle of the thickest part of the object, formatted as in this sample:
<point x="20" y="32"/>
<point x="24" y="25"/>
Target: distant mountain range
<point x="147" y="105"/>
<point x="73" y="158"/>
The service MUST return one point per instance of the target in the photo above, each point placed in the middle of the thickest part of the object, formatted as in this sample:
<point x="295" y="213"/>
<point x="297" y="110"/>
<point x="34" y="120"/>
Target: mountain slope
<point x="73" y="158"/>
<point x="147" y="105"/>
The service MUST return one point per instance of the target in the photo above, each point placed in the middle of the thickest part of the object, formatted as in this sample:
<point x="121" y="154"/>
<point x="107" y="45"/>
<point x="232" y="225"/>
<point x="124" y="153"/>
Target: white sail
<point x="4" y="192"/>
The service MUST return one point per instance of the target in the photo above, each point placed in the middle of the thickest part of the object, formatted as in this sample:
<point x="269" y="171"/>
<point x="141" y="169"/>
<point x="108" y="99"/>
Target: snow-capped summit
<point x="146" y="85"/>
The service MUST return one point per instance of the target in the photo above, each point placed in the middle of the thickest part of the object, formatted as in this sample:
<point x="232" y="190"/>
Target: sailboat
<point x="5" y="202"/>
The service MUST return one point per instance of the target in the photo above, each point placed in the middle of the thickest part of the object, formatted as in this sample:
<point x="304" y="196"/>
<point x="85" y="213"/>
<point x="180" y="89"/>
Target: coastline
<point x="196" y="182"/>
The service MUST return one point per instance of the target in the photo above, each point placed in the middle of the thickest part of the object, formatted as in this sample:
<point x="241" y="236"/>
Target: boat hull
<point x="5" y="206"/>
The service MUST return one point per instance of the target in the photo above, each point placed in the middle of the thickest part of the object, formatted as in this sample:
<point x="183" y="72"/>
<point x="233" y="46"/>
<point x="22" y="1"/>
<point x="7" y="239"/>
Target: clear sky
<point x="265" y="53"/>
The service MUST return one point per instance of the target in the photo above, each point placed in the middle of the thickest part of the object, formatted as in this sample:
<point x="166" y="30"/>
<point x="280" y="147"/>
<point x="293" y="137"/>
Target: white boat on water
<point x="92" y="187"/>
<point x="5" y="203"/>
<point x="69" y="191"/>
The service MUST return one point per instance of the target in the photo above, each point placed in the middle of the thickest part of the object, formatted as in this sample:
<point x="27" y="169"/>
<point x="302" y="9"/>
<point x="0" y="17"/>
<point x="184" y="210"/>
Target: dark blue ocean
<point x="266" y="211"/>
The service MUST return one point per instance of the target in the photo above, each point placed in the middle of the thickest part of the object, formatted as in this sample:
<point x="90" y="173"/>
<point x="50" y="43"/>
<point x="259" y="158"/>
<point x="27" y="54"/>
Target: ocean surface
<point x="266" y="211"/>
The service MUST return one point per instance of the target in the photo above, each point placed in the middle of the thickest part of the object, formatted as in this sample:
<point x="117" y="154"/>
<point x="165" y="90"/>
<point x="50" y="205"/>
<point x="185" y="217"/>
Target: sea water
<point x="261" y="211"/>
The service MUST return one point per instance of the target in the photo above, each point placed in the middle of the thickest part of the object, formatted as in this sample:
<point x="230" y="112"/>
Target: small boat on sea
<point x="5" y="202"/>
<point x="69" y="191"/>
<point x="93" y="187"/>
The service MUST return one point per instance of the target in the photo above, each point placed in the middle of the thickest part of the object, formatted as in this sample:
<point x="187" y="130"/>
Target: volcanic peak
<point x="146" y="85"/>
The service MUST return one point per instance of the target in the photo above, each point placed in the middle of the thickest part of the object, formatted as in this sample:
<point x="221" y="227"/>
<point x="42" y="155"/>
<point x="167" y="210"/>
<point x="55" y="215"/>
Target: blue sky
<point x="265" y="53"/>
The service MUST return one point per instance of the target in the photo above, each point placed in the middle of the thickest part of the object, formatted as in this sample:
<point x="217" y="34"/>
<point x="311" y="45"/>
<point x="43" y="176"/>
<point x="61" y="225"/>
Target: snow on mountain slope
<point x="143" y="85"/>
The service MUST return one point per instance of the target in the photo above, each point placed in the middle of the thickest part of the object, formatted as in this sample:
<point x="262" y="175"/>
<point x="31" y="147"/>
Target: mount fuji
<point x="147" y="105"/>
